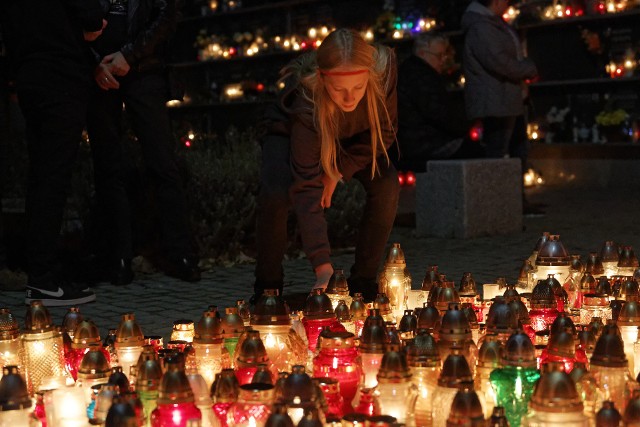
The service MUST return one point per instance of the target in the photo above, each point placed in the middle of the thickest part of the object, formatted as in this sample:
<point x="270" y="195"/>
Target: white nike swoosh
<point x="58" y="293"/>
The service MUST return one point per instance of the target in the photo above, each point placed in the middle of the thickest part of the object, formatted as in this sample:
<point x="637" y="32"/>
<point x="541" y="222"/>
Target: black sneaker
<point x="65" y="295"/>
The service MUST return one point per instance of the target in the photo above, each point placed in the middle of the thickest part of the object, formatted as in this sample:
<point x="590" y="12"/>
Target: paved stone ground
<point x="584" y="219"/>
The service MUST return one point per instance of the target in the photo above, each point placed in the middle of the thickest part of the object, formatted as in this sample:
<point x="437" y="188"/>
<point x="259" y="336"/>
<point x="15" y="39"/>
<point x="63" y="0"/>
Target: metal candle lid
<point x="408" y="322"/>
<point x="561" y="344"/>
<point x="358" y="308"/>
<point x="318" y="306"/>
<point x="555" y="392"/>
<point x="71" y="319"/>
<point x="431" y="278"/>
<point x="501" y="319"/>
<point x="13" y="390"/>
<point x="338" y="283"/>
<point x="232" y="324"/>
<point x="86" y="335"/>
<point x="38" y="318"/>
<point x="455" y="370"/>
<point x="121" y="413"/>
<point x="252" y="350"/>
<point x="563" y="322"/>
<point x="209" y="329"/>
<point x="298" y="387"/>
<point x="225" y="388"/>
<point x="129" y="333"/>
<point x="629" y="314"/>
<point x="631" y="416"/>
<point x="174" y="387"/>
<point x="491" y="352"/>
<point x="271" y="309"/>
<point x="422" y="351"/>
<point x="455" y="325"/>
<point x="594" y="265"/>
<point x="467" y="286"/>
<point x="394" y="367"/>
<point x="342" y="311"/>
<point x="609" y="251"/>
<point x="628" y="258"/>
<point x="148" y="375"/>
<point x="94" y="365"/>
<point x="395" y="257"/>
<point x="609" y="351"/>
<point x="608" y="415"/>
<point x="519" y="351"/>
<point x="429" y="317"/>
<point x="542" y="296"/>
<point x="553" y="253"/>
<point x="466" y="409"/>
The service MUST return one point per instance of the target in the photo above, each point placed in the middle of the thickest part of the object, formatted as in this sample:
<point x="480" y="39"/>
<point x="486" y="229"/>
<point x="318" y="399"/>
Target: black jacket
<point x="44" y="39"/>
<point x="150" y="23"/>
<point x="427" y="118"/>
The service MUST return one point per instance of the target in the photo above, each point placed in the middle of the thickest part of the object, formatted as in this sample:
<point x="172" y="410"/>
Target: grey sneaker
<point x="64" y="295"/>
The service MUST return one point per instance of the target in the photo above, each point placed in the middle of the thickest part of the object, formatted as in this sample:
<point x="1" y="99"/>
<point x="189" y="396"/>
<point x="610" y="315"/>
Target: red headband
<point x="342" y="73"/>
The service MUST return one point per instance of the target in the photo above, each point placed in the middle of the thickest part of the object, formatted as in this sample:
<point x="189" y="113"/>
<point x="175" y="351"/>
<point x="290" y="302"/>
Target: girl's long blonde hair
<point x="344" y="47"/>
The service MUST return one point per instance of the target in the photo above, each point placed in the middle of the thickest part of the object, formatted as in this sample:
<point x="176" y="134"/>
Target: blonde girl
<point x="335" y="120"/>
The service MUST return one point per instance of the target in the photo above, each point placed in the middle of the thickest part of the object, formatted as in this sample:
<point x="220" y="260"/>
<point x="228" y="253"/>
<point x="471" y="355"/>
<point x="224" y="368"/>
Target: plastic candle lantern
<point x="468" y="292"/>
<point x="466" y="409"/>
<point x="338" y="358"/>
<point x="408" y="325"/>
<point x="15" y="404"/>
<point x="502" y="321"/>
<point x="394" y="280"/>
<point x="243" y="311"/>
<point x="470" y="314"/>
<point x="333" y="400"/>
<point x="175" y="398"/>
<point x="344" y="317"/>
<point x="429" y="318"/>
<point x="10" y="344"/>
<point x="358" y="311"/>
<point x="561" y="349"/>
<point x="318" y="312"/>
<point x="397" y="393"/>
<point x="210" y="353"/>
<point x="455" y="329"/>
<point x="86" y="337"/>
<point x="544" y="307"/>
<point x="383" y="304"/>
<point x="71" y="320"/>
<point x="555" y="401"/>
<point x="148" y="376"/>
<point x="338" y="288"/>
<point x="298" y="393"/>
<point x="587" y="389"/>
<point x="424" y="362"/>
<point x="68" y="408"/>
<point x="628" y="322"/>
<point x="603" y="287"/>
<point x="514" y="382"/>
<point x="225" y="392"/>
<point x="200" y="389"/>
<point x="454" y="375"/>
<point x="119" y="379"/>
<point x="489" y="358"/>
<point x="43" y="347"/>
<point x="628" y="261"/>
<point x="431" y="280"/>
<point x="447" y="294"/>
<point x="609" y="367"/>
<point x="587" y="286"/>
<point x="553" y="259"/>
<point x="522" y="313"/>
<point x="372" y="347"/>
<point x="627" y="289"/>
<point x="250" y="353"/>
<point x="609" y="256"/>
<point x="271" y="318"/>
<point x="183" y="330"/>
<point x="94" y="369"/>
<point x="232" y="327"/>
<point x="129" y="342"/>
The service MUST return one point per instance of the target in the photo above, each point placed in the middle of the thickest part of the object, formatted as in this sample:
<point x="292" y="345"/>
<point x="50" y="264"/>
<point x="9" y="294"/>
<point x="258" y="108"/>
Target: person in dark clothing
<point x="429" y="124"/>
<point x="131" y="71"/>
<point x="335" y="121"/>
<point x="51" y="63"/>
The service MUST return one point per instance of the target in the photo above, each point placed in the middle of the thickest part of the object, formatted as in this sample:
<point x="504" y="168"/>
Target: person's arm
<point x="496" y="58"/>
<point x="156" y="32"/>
<point x="306" y="190"/>
<point x="89" y="14"/>
<point x="357" y="156"/>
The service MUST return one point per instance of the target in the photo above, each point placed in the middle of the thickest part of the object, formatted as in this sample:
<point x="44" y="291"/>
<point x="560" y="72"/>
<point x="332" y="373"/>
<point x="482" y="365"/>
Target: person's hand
<point x="104" y="78"/>
<point x="329" y="186"/>
<point x="92" y="35"/>
<point x="117" y="64"/>
<point x="323" y="274"/>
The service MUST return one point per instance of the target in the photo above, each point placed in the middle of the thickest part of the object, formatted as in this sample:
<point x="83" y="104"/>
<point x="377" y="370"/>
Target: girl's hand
<point x="323" y="274"/>
<point x="327" y="192"/>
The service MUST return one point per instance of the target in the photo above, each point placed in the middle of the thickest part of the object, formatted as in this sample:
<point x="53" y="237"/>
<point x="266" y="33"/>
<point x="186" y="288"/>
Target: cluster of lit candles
<point x="624" y="68"/>
<point x="558" y="348"/>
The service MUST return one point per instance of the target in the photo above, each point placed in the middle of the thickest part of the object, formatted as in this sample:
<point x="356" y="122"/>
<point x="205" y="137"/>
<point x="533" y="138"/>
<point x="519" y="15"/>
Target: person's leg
<point x="113" y="214"/>
<point x="272" y="213"/>
<point x="376" y="224"/>
<point x="496" y="133"/>
<point x="54" y="119"/>
<point x="145" y="100"/>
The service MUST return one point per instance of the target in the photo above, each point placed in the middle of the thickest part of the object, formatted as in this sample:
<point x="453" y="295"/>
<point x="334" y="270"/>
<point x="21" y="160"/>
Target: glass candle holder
<point x="128" y="343"/>
<point x="225" y="393"/>
<point x="253" y="406"/>
<point x="183" y="330"/>
<point x="587" y="389"/>
<point x="395" y="280"/>
<point x="338" y="288"/>
<point x="43" y="347"/>
<point x="10" y="344"/>
<point x="68" y="407"/>
<point x="85" y="338"/>
<point x="594" y="305"/>
<point x="318" y="314"/>
<point x="94" y="369"/>
<point x="334" y="402"/>
<point x="366" y="404"/>
<point x="454" y="374"/>
<point x="424" y="362"/>
<point x="344" y="317"/>
<point x="396" y="392"/>
<point x="251" y="353"/>
<point x="232" y="326"/>
<point x="339" y="358"/>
